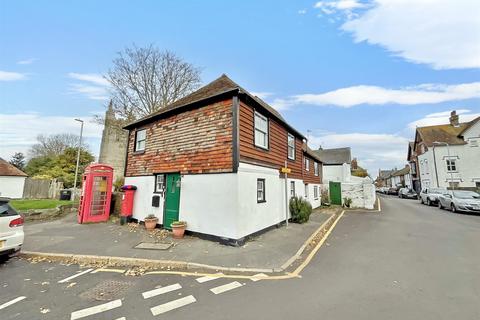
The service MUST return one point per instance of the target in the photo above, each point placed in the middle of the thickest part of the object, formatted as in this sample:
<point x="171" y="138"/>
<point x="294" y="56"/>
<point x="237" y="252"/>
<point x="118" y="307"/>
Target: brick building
<point x="213" y="159"/>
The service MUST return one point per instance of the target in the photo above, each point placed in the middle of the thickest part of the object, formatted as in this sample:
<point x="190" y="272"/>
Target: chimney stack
<point x="454" y="118"/>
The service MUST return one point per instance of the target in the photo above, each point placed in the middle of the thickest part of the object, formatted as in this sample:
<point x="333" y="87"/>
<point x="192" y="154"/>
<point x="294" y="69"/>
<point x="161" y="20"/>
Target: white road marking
<point x="74" y="276"/>
<point x="226" y="287"/>
<point x="172" y="305"/>
<point x="9" y="303"/>
<point x="96" y="309"/>
<point x="162" y="290"/>
<point x="258" y="276"/>
<point x="122" y="318"/>
<point x="207" y="278"/>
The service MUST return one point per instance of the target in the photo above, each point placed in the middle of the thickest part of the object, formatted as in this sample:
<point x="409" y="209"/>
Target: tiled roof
<point x="219" y="86"/>
<point x="402" y="172"/>
<point x="7" y="169"/>
<point x="335" y="156"/>
<point x="443" y="133"/>
<point x="384" y="174"/>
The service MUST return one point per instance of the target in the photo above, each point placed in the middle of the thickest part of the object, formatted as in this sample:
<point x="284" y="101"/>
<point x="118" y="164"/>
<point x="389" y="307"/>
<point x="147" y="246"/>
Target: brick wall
<point x="195" y="141"/>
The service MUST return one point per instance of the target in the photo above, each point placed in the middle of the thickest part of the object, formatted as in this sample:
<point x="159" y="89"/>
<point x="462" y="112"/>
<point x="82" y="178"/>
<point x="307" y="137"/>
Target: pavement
<point x="408" y="261"/>
<point x="266" y="252"/>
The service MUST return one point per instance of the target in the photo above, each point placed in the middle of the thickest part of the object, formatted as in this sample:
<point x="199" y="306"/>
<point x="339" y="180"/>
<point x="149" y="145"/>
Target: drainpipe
<point x="435" y="164"/>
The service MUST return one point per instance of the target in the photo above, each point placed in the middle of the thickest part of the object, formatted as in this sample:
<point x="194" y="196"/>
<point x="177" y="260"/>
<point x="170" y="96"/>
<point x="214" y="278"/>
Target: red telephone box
<point x="96" y="193"/>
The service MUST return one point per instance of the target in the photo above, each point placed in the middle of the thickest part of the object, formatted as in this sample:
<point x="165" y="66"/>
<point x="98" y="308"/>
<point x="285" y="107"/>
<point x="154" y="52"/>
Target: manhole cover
<point x="106" y="290"/>
<point x="153" y="246"/>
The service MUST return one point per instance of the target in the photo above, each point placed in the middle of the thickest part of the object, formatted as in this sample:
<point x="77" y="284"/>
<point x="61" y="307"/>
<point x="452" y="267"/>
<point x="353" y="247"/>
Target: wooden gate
<point x="335" y="189"/>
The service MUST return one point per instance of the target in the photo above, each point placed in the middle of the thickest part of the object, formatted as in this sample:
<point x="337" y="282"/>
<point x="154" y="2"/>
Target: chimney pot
<point x="454" y="119"/>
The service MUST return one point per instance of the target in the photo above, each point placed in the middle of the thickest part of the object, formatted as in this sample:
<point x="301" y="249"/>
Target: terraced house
<point x="213" y="159"/>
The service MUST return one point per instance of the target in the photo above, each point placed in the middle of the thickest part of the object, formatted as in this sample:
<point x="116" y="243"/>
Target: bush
<point x="300" y="209"/>
<point x="347" y="202"/>
<point x="325" y="197"/>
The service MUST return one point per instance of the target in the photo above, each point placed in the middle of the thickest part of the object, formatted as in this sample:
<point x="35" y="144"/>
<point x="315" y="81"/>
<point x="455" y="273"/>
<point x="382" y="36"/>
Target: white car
<point x="460" y="200"/>
<point x="11" y="229"/>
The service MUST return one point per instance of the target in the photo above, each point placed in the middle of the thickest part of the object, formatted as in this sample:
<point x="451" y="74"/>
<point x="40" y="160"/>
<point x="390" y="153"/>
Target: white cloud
<point x="373" y="151"/>
<point x="441" y="118"/>
<point x="19" y="131"/>
<point x="302" y="11"/>
<point x="11" y="76"/>
<point x="262" y="95"/>
<point x="443" y="34"/>
<point x="92" y="85"/>
<point x="374" y="95"/>
<point x="27" y="61"/>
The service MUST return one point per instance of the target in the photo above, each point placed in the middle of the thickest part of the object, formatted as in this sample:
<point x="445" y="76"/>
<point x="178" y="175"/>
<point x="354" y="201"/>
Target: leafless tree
<point x="143" y="80"/>
<point x="52" y="145"/>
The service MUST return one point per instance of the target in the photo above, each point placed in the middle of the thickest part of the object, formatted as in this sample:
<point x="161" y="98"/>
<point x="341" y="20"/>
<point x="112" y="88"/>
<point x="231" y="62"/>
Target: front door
<point x="335" y="192"/>
<point x="172" y="199"/>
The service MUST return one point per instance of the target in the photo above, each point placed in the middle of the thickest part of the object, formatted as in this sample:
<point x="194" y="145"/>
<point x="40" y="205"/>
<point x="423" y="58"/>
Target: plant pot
<point x="178" y="230"/>
<point x="151" y="223"/>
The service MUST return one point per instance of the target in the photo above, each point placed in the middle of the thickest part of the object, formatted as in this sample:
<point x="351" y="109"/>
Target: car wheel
<point x="429" y="203"/>
<point x="421" y="200"/>
<point x="454" y="209"/>
<point x="440" y="205"/>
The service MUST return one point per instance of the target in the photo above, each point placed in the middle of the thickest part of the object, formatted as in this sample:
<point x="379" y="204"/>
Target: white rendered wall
<point x="333" y="173"/>
<point x="208" y="203"/>
<point x="12" y="186"/>
<point x="315" y="202"/>
<point x="142" y="202"/>
<point x="362" y="194"/>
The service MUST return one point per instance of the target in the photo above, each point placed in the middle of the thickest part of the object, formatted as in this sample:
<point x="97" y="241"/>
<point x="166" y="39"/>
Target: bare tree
<point x="143" y="80"/>
<point x="52" y="145"/>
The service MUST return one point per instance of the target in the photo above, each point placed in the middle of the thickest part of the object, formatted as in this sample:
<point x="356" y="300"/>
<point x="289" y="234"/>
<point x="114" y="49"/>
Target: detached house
<point x="214" y="159"/>
<point x="448" y="155"/>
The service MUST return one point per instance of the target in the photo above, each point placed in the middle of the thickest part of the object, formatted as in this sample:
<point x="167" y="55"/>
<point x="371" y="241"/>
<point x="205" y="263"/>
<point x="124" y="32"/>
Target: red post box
<point x="127" y="202"/>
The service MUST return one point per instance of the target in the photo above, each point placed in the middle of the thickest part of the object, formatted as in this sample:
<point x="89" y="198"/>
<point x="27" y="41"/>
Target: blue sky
<point x="344" y="72"/>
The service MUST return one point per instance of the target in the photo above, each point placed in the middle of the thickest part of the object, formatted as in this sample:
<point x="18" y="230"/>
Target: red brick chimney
<point x="454" y="118"/>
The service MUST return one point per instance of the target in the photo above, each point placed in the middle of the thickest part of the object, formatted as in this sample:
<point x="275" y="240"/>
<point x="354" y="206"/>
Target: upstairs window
<point x="261" y="190"/>
<point x="307" y="164"/>
<point x="140" y="138"/>
<point x="291" y="147"/>
<point x="451" y="165"/>
<point x="315" y="168"/>
<point x="261" y="131"/>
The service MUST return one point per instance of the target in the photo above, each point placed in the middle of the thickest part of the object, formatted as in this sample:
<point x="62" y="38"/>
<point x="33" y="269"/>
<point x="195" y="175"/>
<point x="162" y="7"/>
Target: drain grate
<point x="107" y="290"/>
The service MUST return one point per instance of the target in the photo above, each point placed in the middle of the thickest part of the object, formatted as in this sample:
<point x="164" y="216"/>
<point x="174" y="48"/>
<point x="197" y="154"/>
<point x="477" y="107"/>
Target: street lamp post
<point x="449" y="159"/>
<point x="78" y="159"/>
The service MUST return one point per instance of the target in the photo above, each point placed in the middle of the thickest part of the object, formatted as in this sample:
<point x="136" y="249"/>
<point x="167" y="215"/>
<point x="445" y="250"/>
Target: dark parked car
<point x="429" y="196"/>
<point x="392" y="191"/>
<point x="407" y="193"/>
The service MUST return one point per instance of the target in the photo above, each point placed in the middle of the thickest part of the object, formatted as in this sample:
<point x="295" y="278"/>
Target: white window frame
<point x="292" y="188"/>
<point x="307" y="164"/>
<point x="159" y="185"/>
<point x="291" y="146"/>
<point x="451" y="165"/>
<point x="266" y="133"/>
<point x="315" y="168"/>
<point x="261" y="190"/>
<point x="139" y="141"/>
<point x="315" y="192"/>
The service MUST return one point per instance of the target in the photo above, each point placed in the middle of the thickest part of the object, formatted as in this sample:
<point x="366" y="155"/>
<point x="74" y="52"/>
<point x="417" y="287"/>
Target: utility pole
<point x="78" y="159"/>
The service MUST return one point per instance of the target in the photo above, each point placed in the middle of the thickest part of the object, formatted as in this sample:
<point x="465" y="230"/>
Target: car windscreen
<point x="6" y="210"/>
<point x="466" y="195"/>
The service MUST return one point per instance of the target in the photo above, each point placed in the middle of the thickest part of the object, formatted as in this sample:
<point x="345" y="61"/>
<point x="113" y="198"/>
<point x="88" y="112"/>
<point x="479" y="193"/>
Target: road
<point x="407" y="262"/>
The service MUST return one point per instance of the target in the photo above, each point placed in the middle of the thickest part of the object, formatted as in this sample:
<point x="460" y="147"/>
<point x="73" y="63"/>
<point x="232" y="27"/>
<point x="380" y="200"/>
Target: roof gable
<point x="7" y="169"/>
<point x="218" y="87"/>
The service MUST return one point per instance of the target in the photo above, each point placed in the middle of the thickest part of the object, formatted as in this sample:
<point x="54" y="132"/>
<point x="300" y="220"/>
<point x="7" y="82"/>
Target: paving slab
<point x="269" y="250"/>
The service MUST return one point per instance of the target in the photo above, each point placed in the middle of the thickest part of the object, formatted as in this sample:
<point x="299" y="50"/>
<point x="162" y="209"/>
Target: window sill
<point x="262" y="148"/>
<point x="261" y="201"/>
<point x="138" y="152"/>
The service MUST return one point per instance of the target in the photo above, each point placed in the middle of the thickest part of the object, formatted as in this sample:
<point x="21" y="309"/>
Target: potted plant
<point x="150" y="222"/>
<point x="347" y="202"/>
<point x="178" y="229"/>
